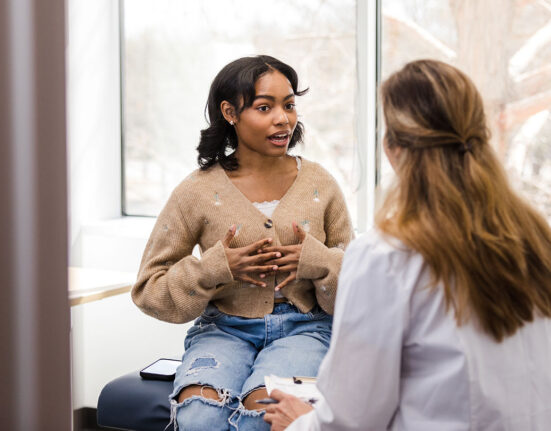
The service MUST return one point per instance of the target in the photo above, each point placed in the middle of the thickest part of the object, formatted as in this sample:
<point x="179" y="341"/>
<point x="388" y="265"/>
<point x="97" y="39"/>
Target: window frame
<point x="368" y="36"/>
<point x="122" y="89"/>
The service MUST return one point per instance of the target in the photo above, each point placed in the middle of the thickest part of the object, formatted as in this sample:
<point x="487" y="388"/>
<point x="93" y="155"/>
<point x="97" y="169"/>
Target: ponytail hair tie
<point x="466" y="146"/>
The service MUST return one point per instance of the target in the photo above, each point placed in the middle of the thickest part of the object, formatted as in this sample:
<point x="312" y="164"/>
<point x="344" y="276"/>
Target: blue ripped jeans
<point x="233" y="354"/>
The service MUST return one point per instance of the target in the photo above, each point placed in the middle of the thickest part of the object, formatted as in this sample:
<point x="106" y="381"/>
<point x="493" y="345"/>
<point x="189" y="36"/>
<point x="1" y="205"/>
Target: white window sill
<point x="122" y="227"/>
<point x="89" y="284"/>
<point x="115" y="244"/>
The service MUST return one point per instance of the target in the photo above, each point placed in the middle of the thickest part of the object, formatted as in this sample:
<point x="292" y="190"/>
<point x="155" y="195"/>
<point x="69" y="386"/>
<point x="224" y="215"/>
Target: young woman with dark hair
<point x="443" y="313"/>
<point x="235" y="84"/>
<point x="272" y="229"/>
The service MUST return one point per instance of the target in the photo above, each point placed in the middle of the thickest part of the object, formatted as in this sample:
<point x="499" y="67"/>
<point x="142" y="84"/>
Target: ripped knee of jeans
<point x="242" y="411"/>
<point x="200" y="391"/>
<point x="225" y="398"/>
<point x="251" y="397"/>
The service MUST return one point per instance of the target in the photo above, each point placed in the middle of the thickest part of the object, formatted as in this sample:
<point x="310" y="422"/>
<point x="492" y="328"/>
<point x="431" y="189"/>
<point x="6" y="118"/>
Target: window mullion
<point x="368" y="49"/>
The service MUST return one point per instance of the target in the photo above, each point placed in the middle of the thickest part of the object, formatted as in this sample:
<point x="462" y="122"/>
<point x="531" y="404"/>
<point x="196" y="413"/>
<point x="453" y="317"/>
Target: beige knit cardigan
<point x="175" y="286"/>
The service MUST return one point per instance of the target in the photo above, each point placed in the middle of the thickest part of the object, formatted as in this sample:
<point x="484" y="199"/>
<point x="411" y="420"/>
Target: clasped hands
<point x="262" y="258"/>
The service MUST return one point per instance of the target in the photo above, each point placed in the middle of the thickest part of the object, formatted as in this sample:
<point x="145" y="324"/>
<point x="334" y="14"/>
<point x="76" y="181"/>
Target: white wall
<point x="110" y="337"/>
<point x="93" y="118"/>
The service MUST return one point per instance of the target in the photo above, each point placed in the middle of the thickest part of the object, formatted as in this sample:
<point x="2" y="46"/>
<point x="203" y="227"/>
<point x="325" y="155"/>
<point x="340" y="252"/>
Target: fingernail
<point x="276" y="289"/>
<point x="262" y="275"/>
<point x="274" y="267"/>
<point x="278" y="254"/>
<point x="263" y="284"/>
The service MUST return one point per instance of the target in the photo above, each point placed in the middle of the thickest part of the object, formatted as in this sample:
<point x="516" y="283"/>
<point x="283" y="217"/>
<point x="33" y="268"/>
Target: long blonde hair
<point x="452" y="202"/>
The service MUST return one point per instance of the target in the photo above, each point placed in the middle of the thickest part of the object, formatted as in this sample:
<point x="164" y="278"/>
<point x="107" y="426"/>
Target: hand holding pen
<point x="283" y="408"/>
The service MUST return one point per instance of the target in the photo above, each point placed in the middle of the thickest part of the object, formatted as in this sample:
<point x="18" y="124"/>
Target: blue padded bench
<point x="132" y="403"/>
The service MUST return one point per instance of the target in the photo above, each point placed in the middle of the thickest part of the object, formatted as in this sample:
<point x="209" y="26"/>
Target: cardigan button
<point x="268" y="223"/>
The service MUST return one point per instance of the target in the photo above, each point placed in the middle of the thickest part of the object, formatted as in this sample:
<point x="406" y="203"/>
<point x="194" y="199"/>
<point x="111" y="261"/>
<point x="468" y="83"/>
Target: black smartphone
<point x="161" y="369"/>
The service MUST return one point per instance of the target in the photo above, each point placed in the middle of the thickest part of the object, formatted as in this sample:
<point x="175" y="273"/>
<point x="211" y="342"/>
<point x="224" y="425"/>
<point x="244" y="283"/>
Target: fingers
<point x="268" y="417"/>
<point x="271" y="419"/>
<point x="250" y="280"/>
<point x="285" y="282"/>
<point x="292" y="267"/>
<point x="285" y="260"/>
<point x="267" y="268"/>
<point x="270" y="408"/>
<point x="267" y="250"/>
<point x="229" y="236"/>
<point x="258" y="245"/>
<point x="261" y="261"/>
<point x="265" y="257"/>
<point x="283" y="249"/>
<point x="277" y="395"/>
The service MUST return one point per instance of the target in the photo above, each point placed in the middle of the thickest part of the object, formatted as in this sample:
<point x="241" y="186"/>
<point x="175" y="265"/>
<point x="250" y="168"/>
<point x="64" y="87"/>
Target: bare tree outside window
<point x="505" y="47"/>
<point x="173" y="50"/>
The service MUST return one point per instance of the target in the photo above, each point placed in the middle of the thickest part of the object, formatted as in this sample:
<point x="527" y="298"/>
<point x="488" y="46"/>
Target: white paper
<point x="307" y="391"/>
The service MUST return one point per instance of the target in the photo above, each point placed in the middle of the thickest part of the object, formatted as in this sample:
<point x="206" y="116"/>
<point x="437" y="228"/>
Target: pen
<point x="272" y="401"/>
<point x="267" y="401"/>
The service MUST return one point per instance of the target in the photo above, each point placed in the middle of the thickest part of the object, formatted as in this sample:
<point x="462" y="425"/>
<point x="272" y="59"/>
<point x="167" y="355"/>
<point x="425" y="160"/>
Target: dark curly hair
<point x="235" y="83"/>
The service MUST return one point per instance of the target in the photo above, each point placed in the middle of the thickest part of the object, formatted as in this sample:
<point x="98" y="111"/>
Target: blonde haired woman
<point x="442" y="316"/>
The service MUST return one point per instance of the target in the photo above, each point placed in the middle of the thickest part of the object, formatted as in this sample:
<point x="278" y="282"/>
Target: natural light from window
<point x="173" y="50"/>
<point x="505" y="47"/>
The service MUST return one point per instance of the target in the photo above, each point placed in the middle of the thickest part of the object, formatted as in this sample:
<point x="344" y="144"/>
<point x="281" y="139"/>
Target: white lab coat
<point x="398" y="360"/>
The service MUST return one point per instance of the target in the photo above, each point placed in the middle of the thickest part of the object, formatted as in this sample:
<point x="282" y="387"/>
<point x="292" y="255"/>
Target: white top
<point x="267" y="208"/>
<point x="398" y="361"/>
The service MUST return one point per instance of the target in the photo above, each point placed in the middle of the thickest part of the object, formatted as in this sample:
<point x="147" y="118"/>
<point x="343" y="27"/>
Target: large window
<point x="505" y="47"/>
<point x="172" y="51"/>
